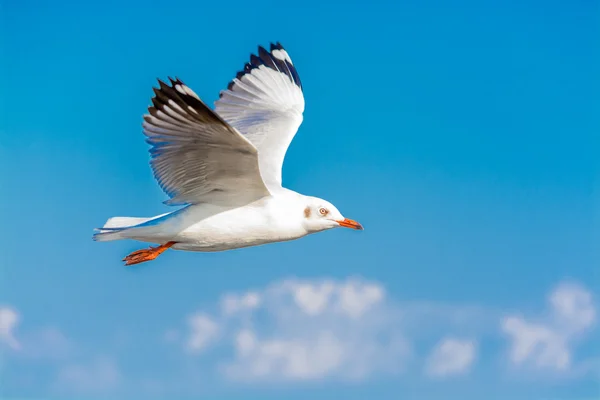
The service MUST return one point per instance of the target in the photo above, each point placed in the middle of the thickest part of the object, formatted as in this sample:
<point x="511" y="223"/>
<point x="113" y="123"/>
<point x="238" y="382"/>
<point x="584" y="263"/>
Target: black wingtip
<point x="276" y="46"/>
<point x="255" y="61"/>
<point x="267" y="59"/>
<point x="162" y="84"/>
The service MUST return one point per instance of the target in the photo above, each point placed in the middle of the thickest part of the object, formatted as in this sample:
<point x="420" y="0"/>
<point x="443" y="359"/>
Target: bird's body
<point x="224" y="166"/>
<point x="210" y="227"/>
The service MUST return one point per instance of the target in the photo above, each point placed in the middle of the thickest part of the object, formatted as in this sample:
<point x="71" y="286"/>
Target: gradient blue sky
<point x="458" y="133"/>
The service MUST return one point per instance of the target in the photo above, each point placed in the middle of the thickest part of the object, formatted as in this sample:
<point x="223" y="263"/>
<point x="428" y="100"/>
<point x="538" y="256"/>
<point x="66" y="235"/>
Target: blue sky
<point x="458" y="133"/>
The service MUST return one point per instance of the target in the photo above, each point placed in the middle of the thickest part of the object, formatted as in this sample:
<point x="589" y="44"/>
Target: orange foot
<point x="148" y="254"/>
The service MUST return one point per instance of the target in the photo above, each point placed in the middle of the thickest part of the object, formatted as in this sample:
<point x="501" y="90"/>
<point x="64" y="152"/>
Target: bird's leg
<point x="148" y="254"/>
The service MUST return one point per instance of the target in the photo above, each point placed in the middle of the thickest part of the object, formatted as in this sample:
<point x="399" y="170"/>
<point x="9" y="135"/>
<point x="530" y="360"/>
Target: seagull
<point x="223" y="166"/>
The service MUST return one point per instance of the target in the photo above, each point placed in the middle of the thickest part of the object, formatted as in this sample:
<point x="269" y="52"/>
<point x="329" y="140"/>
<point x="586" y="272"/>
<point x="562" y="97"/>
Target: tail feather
<point x="117" y="228"/>
<point x="123" y="222"/>
<point x="106" y="235"/>
<point x="113" y="228"/>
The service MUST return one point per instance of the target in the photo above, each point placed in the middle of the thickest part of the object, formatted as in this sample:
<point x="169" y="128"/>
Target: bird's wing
<point x="265" y="103"/>
<point x="196" y="156"/>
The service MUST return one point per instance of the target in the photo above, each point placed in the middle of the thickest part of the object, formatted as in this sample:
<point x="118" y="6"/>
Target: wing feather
<point x="195" y="155"/>
<point x="265" y="103"/>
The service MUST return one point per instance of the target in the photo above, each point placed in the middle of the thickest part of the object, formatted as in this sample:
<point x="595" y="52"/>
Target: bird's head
<point x="320" y="215"/>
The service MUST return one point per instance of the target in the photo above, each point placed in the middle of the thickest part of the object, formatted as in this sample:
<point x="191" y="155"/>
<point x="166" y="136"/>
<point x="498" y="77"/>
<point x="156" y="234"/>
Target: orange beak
<point x="349" y="223"/>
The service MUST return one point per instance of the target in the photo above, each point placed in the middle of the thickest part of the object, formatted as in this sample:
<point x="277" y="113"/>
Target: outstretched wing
<point x="197" y="157"/>
<point x="265" y="103"/>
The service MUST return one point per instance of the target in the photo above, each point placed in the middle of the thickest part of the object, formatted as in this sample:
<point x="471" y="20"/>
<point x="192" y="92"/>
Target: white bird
<point x="225" y="166"/>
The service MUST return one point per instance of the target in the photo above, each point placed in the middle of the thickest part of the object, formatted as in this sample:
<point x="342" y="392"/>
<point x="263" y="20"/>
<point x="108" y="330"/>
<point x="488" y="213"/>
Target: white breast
<point x="211" y="228"/>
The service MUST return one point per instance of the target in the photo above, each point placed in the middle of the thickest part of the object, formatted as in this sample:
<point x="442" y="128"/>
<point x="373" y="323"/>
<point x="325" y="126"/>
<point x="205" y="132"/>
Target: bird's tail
<point x="114" y="227"/>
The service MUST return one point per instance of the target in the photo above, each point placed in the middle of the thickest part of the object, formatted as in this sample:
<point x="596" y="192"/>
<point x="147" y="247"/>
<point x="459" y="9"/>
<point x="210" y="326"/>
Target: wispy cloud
<point x="451" y="356"/>
<point x="547" y="341"/>
<point x="307" y="330"/>
<point x="298" y="330"/>
<point x="48" y="346"/>
<point x="203" y="330"/>
<point x="9" y="318"/>
<point x="42" y="343"/>
<point x="233" y="303"/>
<point x="352" y="329"/>
<point x="101" y="375"/>
<point x="325" y="329"/>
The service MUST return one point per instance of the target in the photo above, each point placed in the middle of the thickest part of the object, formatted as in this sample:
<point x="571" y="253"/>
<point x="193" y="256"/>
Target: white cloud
<point x="538" y="343"/>
<point x="99" y="376"/>
<point x="318" y="329"/>
<point x="291" y="358"/>
<point x="451" y="357"/>
<point x="547" y="342"/>
<point x="41" y="343"/>
<point x="351" y="298"/>
<point x="48" y="346"/>
<point x="301" y="330"/>
<point x="203" y="331"/>
<point x="232" y="303"/>
<point x="9" y="318"/>
<point x="312" y="299"/>
<point x="304" y="330"/>
<point x="573" y="308"/>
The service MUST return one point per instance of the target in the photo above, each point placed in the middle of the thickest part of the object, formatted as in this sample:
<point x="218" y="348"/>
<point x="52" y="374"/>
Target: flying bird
<point x="224" y="166"/>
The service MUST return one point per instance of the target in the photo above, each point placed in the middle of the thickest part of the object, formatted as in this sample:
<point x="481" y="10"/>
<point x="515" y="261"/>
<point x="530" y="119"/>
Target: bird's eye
<point x="323" y="211"/>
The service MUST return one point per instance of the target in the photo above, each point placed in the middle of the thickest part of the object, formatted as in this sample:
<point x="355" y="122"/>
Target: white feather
<point x="266" y="106"/>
